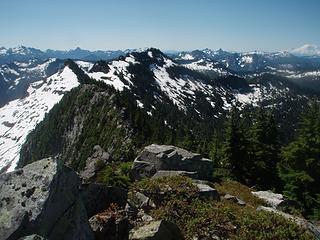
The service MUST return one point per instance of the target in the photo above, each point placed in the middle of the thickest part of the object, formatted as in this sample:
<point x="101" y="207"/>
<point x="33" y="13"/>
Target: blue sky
<point x="237" y="25"/>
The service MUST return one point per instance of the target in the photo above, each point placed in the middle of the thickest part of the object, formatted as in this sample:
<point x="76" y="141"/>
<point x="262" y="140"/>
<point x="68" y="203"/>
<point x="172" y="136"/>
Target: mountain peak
<point x="77" y="49"/>
<point x="307" y="50"/>
<point x="148" y="53"/>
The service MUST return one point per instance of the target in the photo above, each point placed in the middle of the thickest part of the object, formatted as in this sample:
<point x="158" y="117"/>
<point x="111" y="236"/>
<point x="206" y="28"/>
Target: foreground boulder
<point x="42" y="198"/>
<point x="164" y="158"/>
<point x="156" y="230"/>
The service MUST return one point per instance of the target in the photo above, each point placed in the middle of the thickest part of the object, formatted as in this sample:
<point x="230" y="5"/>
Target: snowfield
<point x="117" y="68"/>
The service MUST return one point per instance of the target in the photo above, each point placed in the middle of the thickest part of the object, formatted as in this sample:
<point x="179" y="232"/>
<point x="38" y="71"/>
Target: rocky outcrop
<point x="156" y="230"/>
<point x="155" y="158"/>
<point x="275" y="200"/>
<point x="42" y="198"/>
<point x="94" y="163"/>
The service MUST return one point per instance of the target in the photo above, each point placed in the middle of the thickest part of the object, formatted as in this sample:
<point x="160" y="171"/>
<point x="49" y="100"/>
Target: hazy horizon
<point x="142" y="48"/>
<point x="168" y="25"/>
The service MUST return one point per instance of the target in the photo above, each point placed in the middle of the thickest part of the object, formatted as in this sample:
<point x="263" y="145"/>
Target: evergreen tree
<point x="264" y="150"/>
<point x="234" y="149"/>
<point x="215" y="149"/>
<point x="300" y="165"/>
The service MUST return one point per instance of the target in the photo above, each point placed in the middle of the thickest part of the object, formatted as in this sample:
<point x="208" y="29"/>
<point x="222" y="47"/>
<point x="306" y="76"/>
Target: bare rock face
<point x="155" y="158"/>
<point x="42" y="198"/>
<point x="156" y="230"/>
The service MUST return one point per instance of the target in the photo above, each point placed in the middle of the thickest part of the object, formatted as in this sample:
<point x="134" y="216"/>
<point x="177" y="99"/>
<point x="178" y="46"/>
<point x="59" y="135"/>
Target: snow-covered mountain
<point x="153" y="78"/>
<point x="165" y="76"/>
<point x="20" y="116"/>
<point x="307" y="50"/>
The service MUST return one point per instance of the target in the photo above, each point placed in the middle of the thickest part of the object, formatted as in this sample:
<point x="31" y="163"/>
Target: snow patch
<point x="187" y="57"/>
<point x="118" y="75"/>
<point x="247" y="59"/>
<point x="85" y="66"/>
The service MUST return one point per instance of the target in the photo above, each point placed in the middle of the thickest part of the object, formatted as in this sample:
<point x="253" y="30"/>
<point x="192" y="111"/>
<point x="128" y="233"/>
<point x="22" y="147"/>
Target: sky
<point x="234" y="25"/>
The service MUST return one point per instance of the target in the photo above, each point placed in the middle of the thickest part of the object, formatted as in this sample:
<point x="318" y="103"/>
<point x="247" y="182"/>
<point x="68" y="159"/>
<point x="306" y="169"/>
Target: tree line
<point x="250" y="152"/>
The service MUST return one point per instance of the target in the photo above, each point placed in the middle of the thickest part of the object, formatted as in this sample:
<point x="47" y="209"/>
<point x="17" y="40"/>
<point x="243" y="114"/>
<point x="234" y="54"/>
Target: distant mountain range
<point x="22" y="53"/>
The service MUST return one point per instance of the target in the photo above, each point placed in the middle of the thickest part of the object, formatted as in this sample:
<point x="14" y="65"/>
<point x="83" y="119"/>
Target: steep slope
<point x="86" y="113"/>
<point x="20" y="116"/>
